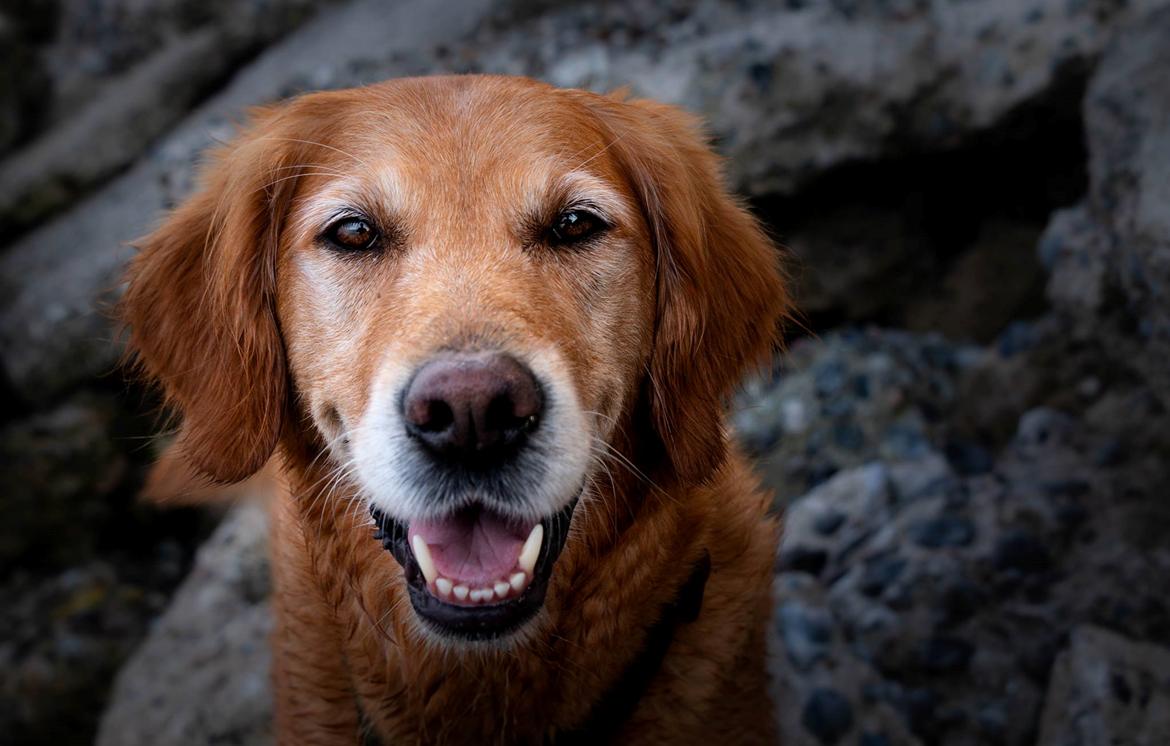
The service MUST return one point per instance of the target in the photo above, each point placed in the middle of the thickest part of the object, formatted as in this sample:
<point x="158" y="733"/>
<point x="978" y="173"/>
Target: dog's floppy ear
<point x="720" y="291"/>
<point x="200" y="304"/>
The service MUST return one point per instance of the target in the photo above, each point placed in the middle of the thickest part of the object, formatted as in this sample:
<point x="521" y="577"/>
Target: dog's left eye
<point x="574" y="226"/>
<point x="352" y="234"/>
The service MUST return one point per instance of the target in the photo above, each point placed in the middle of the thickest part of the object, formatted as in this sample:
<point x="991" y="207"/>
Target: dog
<point x="485" y="329"/>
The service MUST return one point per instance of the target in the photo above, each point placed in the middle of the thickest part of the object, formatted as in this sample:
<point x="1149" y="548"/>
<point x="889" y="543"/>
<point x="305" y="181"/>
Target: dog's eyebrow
<point x="579" y="187"/>
<point x="346" y="195"/>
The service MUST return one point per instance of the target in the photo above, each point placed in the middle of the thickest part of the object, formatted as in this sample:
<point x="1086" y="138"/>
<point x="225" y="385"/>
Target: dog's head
<point x="456" y="291"/>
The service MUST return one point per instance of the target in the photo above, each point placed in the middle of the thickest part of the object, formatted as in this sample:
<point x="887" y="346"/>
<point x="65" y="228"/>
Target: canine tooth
<point x="460" y="592"/>
<point x="444" y="586"/>
<point x="422" y="555"/>
<point x="531" y="549"/>
<point x="501" y="588"/>
<point x="517" y="581"/>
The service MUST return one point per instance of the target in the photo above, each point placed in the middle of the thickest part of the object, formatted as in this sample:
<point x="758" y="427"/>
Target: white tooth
<point x="531" y="549"/>
<point x="501" y="588"/>
<point x="422" y="555"/>
<point x="488" y="594"/>
<point x="444" y="586"/>
<point x="460" y="592"/>
<point x="477" y="595"/>
<point x="517" y="581"/>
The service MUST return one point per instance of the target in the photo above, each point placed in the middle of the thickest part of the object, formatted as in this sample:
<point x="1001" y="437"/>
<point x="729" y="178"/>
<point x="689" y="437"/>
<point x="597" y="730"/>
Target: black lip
<point x="476" y="622"/>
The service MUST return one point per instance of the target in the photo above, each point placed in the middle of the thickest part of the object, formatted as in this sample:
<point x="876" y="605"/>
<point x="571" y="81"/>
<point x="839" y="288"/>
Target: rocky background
<point x="969" y="430"/>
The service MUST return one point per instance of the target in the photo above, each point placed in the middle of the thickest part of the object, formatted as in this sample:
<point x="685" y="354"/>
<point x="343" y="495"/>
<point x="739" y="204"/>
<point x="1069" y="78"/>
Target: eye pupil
<point x="353" y="233"/>
<point x="575" y="225"/>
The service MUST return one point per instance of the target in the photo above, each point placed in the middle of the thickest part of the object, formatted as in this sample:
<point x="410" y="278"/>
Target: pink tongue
<point x="473" y="546"/>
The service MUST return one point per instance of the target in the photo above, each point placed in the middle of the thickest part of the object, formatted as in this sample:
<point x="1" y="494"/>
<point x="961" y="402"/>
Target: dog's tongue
<point x="474" y="546"/>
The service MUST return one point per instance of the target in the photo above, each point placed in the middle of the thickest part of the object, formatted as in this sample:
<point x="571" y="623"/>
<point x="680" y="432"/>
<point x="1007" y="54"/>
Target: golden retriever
<point x="487" y="327"/>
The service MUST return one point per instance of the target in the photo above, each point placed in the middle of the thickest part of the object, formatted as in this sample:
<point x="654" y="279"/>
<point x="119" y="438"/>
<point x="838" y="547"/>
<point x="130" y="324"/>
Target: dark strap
<point x="618" y="703"/>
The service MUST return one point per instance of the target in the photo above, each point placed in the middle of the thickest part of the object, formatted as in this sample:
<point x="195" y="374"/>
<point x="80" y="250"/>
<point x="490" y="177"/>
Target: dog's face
<point x="454" y="290"/>
<point x="466" y="295"/>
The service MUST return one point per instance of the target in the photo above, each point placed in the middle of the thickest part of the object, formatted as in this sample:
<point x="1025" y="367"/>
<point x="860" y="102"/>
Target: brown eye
<point x="352" y="234"/>
<point x="573" y="226"/>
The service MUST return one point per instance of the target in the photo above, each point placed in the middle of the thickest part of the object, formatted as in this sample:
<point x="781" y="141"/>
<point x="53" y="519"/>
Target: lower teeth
<point x="500" y="590"/>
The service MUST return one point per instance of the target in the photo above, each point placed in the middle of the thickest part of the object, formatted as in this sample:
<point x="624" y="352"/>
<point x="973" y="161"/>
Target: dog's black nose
<point x="472" y="407"/>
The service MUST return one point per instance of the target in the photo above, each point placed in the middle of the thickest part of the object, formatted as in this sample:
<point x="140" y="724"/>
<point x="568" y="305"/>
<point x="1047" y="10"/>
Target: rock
<point x="945" y="655"/>
<point x="888" y="75"/>
<point x="110" y="133"/>
<point x="88" y="46"/>
<point x="202" y="675"/>
<point x="65" y="635"/>
<point x="881" y="572"/>
<point x="22" y="79"/>
<point x="813" y="706"/>
<point x="848" y="398"/>
<point x="122" y="74"/>
<point x="941" y="587"/>
<point x="942" y="531"/>
<point x="1107" y="689"/>
<point x="827" y="715"/>
<point x="806" y="633"/>
<point x="827" y="523"/>
<point x="59" y="468"/>
<point x="58" y="283"/>
<point x="1018" y="550"/>
<point x="1110" y="257"/>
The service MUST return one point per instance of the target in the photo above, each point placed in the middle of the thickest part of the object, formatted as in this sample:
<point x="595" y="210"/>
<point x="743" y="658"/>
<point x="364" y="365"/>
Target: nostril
<point x="438" y="417"/>
<point x="501" y="415"/>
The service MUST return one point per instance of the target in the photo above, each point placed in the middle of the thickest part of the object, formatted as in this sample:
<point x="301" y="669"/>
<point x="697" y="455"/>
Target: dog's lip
<point x="476" y="619"/>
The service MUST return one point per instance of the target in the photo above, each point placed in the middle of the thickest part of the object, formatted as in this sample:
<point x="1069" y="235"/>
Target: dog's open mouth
<point x="475" y="573"/>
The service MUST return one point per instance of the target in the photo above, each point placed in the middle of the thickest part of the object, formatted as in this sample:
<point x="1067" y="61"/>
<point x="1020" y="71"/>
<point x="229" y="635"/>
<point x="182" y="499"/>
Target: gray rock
<point x="1107" y="689"/>
<point x="810" y="692"/>
<point x="65" y="635"/>
<point x="849" y="398"/>
<point x="806" y="633"/>
<point x="122" y="72"/>
<point x="1110" y="257"/>
<point x="768" y="76"/>
<point x="58" y="468"/>
<point x="110" y="133"/>
<point x="22" y="80"/>
<point x="827" y="715"/>
<point x="89" y="45"/>
<point x="941" y="598"/>
<point x="202" y="675"/>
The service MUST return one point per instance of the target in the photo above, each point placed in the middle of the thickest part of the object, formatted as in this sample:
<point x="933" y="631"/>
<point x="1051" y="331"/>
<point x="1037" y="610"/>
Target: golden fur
<point x="266" y="344"/>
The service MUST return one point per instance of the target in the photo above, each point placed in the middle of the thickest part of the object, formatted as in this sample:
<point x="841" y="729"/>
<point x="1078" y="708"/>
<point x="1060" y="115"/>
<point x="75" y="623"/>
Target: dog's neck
<point x="622" y="585"/>
<point x="620" y="700"/>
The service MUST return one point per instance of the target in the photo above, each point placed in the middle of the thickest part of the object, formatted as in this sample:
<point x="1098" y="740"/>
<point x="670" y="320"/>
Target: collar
<point x="619" y="702"/>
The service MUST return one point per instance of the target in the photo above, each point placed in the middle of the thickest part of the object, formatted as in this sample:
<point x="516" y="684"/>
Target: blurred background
<point x="969" y="429"/>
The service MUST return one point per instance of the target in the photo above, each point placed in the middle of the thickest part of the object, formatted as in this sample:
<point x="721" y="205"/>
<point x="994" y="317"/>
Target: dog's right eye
<point x="352" y="234"/>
